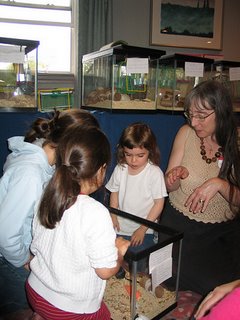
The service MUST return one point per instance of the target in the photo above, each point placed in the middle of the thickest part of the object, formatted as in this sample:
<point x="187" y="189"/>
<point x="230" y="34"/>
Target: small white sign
<point x="161" y="273"/>
<point x="160" y="265"/>
<point x="11" y="54"/>
<point x="159" y="256"/>
<point x="194" y="69"/>
<point x="234" y="74"/>
<point x="137" y="65"/>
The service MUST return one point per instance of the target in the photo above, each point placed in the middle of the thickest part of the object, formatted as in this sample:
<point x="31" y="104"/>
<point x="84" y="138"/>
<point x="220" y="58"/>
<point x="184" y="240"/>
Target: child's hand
<point x="115" y="222"/>
<point x="122" y="245"/>
<point x="138" y="237"/>
<point x="27" y="264"/>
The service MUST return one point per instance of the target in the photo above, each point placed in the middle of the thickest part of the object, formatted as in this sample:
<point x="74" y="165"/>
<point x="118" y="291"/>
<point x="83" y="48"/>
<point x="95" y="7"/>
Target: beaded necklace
<point x="203" y="153"/>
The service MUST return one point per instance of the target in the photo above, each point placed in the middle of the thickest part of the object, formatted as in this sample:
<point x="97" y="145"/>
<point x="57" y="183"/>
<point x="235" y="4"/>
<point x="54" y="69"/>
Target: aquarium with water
<point x="121" y="77"/>
<point x="18" y="74"/>
<point x="177" y="75"/>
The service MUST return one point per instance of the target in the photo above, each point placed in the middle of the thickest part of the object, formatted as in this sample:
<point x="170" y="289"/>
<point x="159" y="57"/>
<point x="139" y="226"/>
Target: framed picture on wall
<point x="187" y="23"/>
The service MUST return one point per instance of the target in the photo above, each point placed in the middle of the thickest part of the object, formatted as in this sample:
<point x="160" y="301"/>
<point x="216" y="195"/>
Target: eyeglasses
<point x="199" y="117"/>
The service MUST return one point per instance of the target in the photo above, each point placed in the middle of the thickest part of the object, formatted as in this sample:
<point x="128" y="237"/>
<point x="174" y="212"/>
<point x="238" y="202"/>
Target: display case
<point x="18" y="74"/>
<point x="228" y="73"/>
<point x="122" y="77"/>
<point x="149" y="288"/>
<point x="177" y="75"/>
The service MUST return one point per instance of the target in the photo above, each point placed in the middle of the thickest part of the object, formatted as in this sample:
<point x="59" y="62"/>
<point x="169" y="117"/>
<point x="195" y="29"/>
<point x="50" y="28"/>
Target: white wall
<point x="131" y="22"/>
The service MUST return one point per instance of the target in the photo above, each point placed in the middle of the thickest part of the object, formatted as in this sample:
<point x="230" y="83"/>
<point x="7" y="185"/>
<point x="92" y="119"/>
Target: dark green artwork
<point x="188" y="18"/>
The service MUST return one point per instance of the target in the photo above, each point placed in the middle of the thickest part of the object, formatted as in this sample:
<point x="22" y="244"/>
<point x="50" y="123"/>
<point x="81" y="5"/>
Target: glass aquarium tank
<point x="121" y="77"/>
<point x="148" y="288"/>
<point x="177" y="75"/>
<point x="228" y="73"/>
<point x="18" y="73"/>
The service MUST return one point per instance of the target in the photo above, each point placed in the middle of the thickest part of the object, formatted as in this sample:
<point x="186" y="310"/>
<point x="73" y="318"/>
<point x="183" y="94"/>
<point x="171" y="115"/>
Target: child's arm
<point x="138" y="235"/>
<point x="114" y="204"/>
<point x="106" y="273"/>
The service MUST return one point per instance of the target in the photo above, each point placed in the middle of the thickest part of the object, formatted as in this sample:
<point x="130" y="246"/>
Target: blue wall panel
<point x="164" y="126"/>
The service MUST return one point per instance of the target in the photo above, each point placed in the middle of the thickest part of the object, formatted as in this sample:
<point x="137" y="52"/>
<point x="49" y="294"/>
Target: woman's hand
<point x="138" y="236"/>
<point x="214" y="297"/>
<point x="173" y="176"/>
<point x="199" y="199"/>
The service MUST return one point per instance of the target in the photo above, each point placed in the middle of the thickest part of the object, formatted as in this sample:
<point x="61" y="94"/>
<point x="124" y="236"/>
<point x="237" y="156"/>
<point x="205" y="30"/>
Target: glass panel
<point x="11" y="12"/>
<point x="18" y="82"/>
<point x="64" y="3"/>
<point x="147" y="285"/>
<point x="53" y="52"/>
<point x="108" y="82"/>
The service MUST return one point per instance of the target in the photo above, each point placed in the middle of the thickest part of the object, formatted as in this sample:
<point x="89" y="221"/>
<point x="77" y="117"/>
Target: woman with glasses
<point x="203" y="181"/>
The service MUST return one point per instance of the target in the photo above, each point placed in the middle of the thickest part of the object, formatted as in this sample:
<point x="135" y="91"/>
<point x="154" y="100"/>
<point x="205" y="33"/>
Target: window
<point x="50" y="22"/>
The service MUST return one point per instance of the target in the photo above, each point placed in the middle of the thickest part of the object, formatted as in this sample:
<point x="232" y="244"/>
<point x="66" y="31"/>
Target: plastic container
<point x="59" y="98"/>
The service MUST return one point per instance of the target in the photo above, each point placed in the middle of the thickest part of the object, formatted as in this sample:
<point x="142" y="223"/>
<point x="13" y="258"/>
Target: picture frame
<point x="186" y="38"/>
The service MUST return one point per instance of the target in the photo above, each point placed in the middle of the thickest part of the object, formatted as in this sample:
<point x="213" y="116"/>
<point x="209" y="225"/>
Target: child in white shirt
<point x="137" y="183"/>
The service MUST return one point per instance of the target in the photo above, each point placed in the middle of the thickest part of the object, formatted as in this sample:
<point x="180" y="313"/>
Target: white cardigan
<point x="63" y="269"/>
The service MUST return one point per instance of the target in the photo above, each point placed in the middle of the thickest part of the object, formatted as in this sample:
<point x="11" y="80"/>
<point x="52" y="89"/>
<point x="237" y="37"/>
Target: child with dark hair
<point x="74" y="244"/>
<point x="137" y="183"/>
<point x="27" y="169"/>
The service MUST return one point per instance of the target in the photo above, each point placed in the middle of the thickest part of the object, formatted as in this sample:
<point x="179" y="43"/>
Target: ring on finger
<point x="201" y="201"/>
